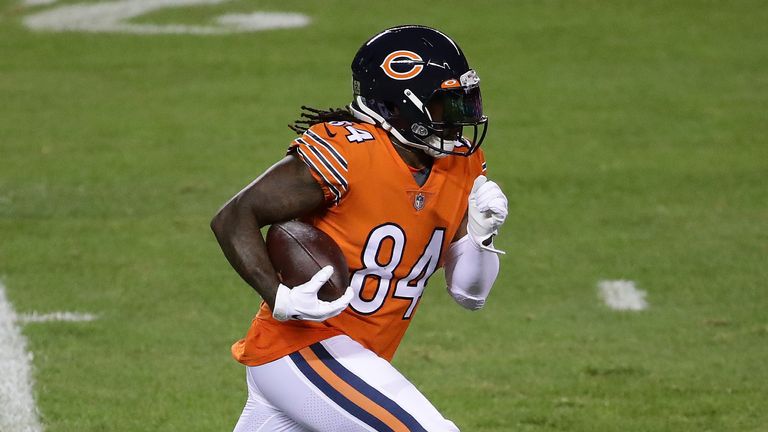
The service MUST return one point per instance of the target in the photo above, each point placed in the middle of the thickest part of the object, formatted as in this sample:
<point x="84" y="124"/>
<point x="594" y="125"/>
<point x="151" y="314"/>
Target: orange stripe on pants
<point x="352" y="393"/>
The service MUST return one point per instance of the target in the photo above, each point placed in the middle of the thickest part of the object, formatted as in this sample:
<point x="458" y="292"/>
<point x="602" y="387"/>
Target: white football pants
<point x="335" y="386"/>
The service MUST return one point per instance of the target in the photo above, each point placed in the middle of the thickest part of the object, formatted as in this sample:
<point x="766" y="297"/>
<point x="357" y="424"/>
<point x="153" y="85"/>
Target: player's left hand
<point x="486" y="213"/>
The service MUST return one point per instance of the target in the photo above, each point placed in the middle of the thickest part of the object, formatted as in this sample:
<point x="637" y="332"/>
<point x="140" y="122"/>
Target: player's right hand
<point x="301" y="302"/>
<point x="487" y="211"/>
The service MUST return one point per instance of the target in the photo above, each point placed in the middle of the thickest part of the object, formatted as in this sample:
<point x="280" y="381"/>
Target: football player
<point x="397" y="179"/>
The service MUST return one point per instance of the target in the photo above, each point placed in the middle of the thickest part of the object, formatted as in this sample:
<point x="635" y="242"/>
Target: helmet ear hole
<point x="420" y="130"/>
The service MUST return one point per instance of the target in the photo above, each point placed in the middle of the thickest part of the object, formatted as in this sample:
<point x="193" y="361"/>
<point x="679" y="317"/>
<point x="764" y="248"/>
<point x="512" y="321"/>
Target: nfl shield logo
<point x="418" y="202"/>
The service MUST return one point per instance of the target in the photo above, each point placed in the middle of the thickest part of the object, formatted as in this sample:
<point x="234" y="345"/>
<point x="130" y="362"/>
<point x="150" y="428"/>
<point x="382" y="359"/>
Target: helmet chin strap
<point x="420" y="147"/>
<point x="446" y="145"/>
<point x="431" y="140"/>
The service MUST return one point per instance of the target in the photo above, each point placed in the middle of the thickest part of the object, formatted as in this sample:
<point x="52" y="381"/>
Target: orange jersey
<point x="393" y="232"/>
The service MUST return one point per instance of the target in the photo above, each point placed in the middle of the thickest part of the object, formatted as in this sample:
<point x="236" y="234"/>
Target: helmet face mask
<point x="415" y="82"/>
<point x="451" y="111"/>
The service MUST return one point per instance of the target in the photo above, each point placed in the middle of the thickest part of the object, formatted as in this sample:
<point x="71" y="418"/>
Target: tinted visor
<point x="456" y="106"/>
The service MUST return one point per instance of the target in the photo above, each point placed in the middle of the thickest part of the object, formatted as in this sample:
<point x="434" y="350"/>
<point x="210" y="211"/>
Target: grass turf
<point x="630" y="138"/>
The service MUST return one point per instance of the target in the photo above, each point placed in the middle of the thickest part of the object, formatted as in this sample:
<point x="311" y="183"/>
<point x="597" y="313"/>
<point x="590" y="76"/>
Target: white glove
<point x="301" y="302"/>
<point x="487" y="212"/>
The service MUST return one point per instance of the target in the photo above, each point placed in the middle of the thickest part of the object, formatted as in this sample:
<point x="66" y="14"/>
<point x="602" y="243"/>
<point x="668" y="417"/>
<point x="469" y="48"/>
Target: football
<point x="298" y="250"/>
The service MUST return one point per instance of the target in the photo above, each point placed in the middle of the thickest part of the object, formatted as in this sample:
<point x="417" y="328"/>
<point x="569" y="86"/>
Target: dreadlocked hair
<point x="312" y="116"/>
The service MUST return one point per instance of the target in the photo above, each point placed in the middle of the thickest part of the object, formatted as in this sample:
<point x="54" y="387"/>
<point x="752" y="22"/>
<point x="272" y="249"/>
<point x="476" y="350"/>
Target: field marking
<point x="18" y="412"/>
<point x="38" y="2"/>
<point x="260" y="21"/>
<point x="622" y="295"/>
<point x="36" y="317"/>
<point x="114" y="16"/>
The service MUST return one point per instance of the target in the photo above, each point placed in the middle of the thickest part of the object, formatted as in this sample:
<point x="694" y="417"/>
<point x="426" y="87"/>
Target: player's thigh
<point x="260" y="416"/>
<point x="337" y="385"/>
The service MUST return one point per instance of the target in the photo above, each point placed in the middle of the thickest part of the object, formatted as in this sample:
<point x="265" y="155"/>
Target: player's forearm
<point x="241" y="241"/>
<point x="470" y="273"/>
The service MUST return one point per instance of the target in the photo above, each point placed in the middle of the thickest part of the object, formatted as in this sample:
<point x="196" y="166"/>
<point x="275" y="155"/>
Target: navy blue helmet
<point x="415" y="82"/>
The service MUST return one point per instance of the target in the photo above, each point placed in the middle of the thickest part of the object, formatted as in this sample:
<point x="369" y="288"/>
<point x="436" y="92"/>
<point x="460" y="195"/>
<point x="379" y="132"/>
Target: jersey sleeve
<point x="325" y="157"/>
<point x="479" y="165"/>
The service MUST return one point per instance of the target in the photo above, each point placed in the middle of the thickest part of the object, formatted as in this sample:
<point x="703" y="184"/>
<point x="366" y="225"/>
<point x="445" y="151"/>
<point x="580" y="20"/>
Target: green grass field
<point x="630" y="136"/>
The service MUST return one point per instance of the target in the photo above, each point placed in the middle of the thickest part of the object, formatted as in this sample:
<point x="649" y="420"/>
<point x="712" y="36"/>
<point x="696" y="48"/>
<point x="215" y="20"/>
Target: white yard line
<point x="622" y="295"/>
<point x="38" y="2"/>
<point x="115" y="17"/>
<point x="18" y="412"/>
<point x="36" y="317"/>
